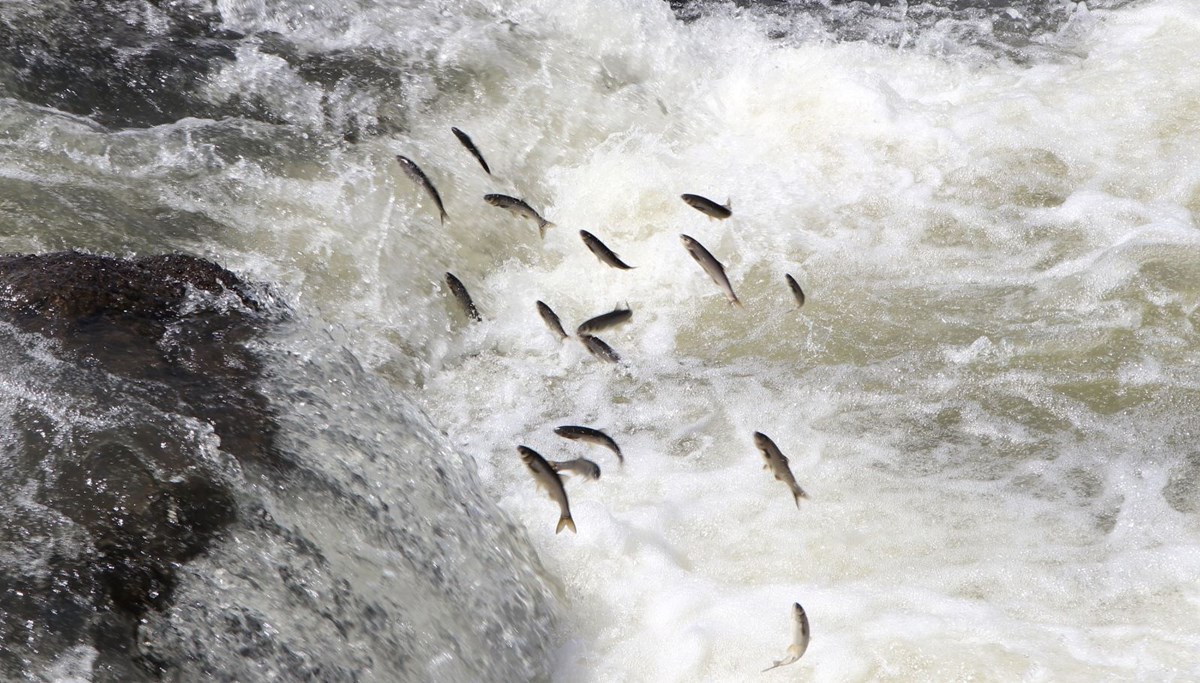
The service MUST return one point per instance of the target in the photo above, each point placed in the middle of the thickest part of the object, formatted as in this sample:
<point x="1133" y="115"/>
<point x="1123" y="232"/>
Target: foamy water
<point x="1000" y="265"/>
<point x="990" y="395"/>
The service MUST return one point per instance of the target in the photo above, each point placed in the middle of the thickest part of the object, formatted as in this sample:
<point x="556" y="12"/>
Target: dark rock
<point x="127" y="494"/>
<point x="73" y="288"/>
<point x="110" y="61"/>
<point x="138" y="63"/>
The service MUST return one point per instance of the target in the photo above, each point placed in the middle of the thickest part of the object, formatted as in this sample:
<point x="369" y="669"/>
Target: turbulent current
<point x="991" y="394"/>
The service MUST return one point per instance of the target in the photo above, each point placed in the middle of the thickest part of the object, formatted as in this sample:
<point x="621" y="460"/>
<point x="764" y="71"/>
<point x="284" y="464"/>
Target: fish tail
<point x="444" y="216"/>
<point x="566" y="521"/>
<point x="798" y="493"/>
<point x="736" y="302"/>
<point x="543" y="226"/>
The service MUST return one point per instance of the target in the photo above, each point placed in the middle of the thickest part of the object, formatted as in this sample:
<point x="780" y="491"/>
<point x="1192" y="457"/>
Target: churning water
<point x="991" y="395"/>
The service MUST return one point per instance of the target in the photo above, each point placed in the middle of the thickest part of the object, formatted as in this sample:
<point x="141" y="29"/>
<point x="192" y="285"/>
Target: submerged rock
<point x="195" y="489"/>
<point x="143" y="344"/>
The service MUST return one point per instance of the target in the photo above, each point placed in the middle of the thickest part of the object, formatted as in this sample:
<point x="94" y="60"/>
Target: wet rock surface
<point x="136" y="64"/>
<point x="1012" y="29"/>
<point x="110" y="502"/>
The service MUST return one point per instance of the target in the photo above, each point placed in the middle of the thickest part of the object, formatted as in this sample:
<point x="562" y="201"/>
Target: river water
<point x="990" y="394"/>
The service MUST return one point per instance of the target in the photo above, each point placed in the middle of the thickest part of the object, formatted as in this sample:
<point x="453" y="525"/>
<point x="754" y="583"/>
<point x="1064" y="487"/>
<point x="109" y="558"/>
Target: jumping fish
<point x="551" y="320"/>
<point x="466" y="142"/>
<point x="520" y="208"/>
<point x="777" y="462"/>
<point x="795" y="287"/>
<point x="464" y="298"/>
<point x="600" y="349"/>
<point x="711" y="266"/>
<point x="602" y="252"/>
<point x="548" y="479"/>
<point x="589" y="435"/>
<point x="800" y="638"/>
<point x="418" y="176"/>
<point x="605" y="321"/>
<point x="708" y="207"/>
<point x="581" y="466"/>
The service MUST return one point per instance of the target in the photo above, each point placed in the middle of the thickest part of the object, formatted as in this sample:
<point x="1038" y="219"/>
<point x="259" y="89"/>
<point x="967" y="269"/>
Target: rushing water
<point x="990" y="395"/>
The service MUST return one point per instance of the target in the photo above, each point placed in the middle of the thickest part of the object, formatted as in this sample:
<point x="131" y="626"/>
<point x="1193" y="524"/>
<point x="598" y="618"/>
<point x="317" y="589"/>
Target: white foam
<point x="985" y="396"/>
<point x="910" y="193"/>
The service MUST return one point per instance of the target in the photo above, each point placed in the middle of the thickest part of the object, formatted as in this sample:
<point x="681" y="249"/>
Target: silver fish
<point x="777" y="462"/>
<point x="605" y="321"/>
<point x="602" y="252"/>
<point x="600" y="349"/>
<point x="711" y="266"/>
<point x="800" y="638"/>
<point x="581" y="466"/>
<point x="418" y="176"/>
<point x="548" y="479"/>
<point x="466" y="142"/>
<point x="796" y="291"/>
<point x="708" y="207"/>
<point x="551" y="320"/>
<point x="589" y="435"/>
<point x="520" y="208"/>
<point x="464" y="298"/>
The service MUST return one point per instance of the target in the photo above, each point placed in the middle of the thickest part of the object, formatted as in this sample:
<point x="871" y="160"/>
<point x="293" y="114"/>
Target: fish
<point x="600" y="349"/>
<point x="464" y="298"/>
<point x="581" y="466"/>
<point x="800" y="638"/>
<point x="602" y="252"/>
<point x="466" y="142"/>
<point x="795" y="287"/>
<point x="777" y="462"/>
<point x="520" y="208"/>
<point x="708" y="207"/>
<point x="590" y="435"/>
<point x="711" y="266"/>
<point x="551" y="482"/>
<point x="418" y="176"/>
<point x="551" y="320"/>
<point x="605" y="321"/>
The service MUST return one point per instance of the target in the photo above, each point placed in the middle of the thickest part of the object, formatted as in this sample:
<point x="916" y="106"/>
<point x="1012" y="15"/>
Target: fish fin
<point x="790" y="659"/>
<point x="729" y="204"/>
<point x="566" y="522"/>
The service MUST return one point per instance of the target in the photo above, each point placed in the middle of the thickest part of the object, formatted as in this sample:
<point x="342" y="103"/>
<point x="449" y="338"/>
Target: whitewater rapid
<point x="989" y="396"/>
